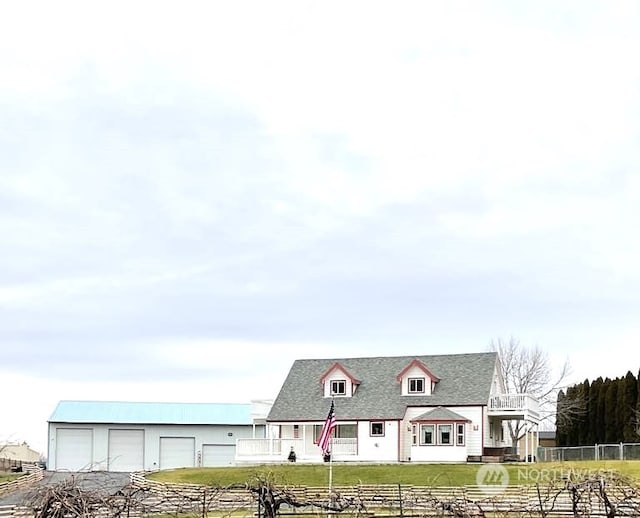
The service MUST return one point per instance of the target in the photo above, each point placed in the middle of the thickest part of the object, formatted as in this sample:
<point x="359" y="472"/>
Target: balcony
<point x="514" y="406"/>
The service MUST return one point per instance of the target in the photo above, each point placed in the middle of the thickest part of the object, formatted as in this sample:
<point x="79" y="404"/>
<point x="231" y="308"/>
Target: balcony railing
<point x="524" y="405"/>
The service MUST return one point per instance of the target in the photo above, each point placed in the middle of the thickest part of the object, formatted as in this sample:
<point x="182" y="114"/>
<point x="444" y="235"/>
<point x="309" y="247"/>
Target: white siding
<point x="378" y="448"/>
<point x="439" y="454"/>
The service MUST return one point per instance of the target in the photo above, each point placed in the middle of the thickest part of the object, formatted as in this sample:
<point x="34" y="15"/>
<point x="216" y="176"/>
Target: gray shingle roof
<point x="465" y="379"/>
<point x="440" y="414"/>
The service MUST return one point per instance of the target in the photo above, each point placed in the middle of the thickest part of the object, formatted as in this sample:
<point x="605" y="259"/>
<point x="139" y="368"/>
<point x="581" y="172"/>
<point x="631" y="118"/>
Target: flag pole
<point x="325" y="441"/>
<point x="331" y="458"/>
<point x="330" y="464"/>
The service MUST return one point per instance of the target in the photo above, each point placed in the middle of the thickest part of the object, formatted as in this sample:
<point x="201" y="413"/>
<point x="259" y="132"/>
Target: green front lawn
<point x="317" y="475"/>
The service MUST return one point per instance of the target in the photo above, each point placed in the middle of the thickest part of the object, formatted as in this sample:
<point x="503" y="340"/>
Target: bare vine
<point x="608" y="495"/>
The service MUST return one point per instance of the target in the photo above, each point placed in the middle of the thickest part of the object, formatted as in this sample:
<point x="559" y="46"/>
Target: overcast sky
<point x="194" y="194"/>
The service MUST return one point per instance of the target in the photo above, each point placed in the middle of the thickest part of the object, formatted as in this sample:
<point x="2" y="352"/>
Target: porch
<point x="523" y="408"/>
<point x="275" y="450"/>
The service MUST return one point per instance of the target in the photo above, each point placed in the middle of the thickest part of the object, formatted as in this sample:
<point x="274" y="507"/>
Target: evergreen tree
<point x="611" y="429"/>
<point x="627" y="401"/>
<point x="582" y="422"/>
<point x="602" y="411"/>
<point x="594" y="392"/>
<point x="599" y="418"/>
<point x="637" y="412"/>
<point x="573" y="424"/>
<point x="561" y="423"/>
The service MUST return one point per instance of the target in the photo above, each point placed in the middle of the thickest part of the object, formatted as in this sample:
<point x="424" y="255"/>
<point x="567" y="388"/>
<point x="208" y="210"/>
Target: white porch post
<point x="526" y="441"/>
<point x="270" y="441"/>
<point x="304" y="440"/>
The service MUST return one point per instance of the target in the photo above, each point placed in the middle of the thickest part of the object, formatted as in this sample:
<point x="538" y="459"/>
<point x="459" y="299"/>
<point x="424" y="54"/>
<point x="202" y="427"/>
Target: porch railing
<point x="279" y="447"/>
<point x="344" y="446"/>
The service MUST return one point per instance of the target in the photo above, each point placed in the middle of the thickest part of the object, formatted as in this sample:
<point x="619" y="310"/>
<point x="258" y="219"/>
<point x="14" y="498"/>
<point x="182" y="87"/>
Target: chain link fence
<point x="620" y="451"/>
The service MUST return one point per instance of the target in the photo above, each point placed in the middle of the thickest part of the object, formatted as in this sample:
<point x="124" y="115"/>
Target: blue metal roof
<point x="151" y="413"/>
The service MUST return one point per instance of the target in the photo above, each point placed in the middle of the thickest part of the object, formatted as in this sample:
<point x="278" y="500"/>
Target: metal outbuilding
<point x="140" y="436"/>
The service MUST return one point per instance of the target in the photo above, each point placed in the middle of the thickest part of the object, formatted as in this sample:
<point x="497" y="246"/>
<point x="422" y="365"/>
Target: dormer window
<point x="417" y="380"/>
<point x="338" y="387"/>
<point x="416" y="385"/>
<point x="338" y="381"/>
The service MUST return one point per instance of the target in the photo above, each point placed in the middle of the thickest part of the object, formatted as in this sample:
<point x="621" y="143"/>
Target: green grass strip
<point x="317" y="475"/>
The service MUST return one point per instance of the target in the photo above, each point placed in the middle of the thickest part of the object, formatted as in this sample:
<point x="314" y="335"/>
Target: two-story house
<point x="435" y="408"/>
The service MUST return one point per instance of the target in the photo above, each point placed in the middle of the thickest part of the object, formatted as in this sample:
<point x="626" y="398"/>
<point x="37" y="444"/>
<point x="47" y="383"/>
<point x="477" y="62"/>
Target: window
<point x="444" y="434"/>
<point x="416" y="385"/>
<point x="346" y="431"/>
<point x="414" y="435"/>
<point x="338" y="388"/>
<point x="342" y="431"/>
<point x="448" y="434"/>
<point x="296" y="431"/>
<point x="377" y="429"/>
<point x="427" y="434"/>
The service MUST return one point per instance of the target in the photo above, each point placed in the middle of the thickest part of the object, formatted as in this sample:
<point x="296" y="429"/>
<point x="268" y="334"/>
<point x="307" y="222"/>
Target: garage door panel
<point x="177" y="452"/>
<point x="218" y="454"/>
<point x="126" y="450"/>
<point x="74" y="449"/>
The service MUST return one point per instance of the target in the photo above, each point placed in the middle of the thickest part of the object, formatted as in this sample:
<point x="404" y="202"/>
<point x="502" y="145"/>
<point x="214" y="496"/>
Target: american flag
<point x="327" y="430"/>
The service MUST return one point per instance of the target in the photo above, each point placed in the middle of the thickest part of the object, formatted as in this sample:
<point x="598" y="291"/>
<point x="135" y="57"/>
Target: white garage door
<point x="126" y="450"/>
<point x="177" y="452"/>
<point x="218" y="454"/>
<point x="74" y="448"/>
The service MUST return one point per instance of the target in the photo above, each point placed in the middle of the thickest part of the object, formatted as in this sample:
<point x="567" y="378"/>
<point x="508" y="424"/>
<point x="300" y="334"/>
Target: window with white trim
<point x="416" y="385"/>
<point x="377" y="429"/>
<point x="338" y="388"/>
<point x="438" y="434"/>
<point x="444" y="434"/>
<point x="427" y="434"/>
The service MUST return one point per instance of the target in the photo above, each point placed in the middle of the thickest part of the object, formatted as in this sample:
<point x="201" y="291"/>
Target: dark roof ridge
<point x="399" y="356"/>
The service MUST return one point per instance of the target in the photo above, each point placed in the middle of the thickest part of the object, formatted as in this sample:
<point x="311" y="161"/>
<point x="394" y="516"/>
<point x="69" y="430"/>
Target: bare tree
<point x="527" y="370"/>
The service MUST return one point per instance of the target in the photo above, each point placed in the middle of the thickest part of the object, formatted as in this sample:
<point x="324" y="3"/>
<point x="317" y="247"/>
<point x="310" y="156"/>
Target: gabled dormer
<point x="337" y="381"/>
<point x="416" y="379"/>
